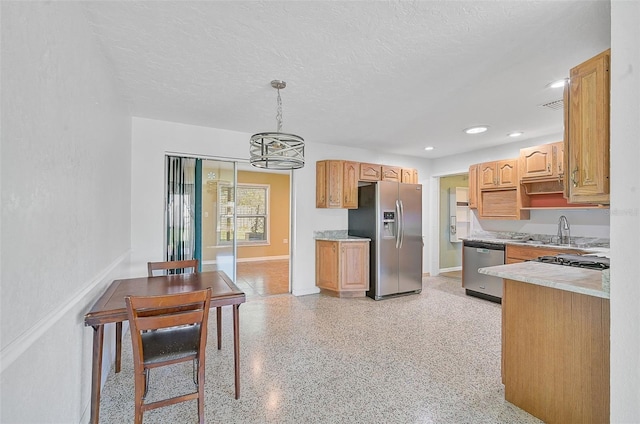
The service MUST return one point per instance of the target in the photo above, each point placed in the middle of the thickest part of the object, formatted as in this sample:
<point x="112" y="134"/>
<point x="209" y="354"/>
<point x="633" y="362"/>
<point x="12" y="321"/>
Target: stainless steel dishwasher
<point x="480" y="254"/>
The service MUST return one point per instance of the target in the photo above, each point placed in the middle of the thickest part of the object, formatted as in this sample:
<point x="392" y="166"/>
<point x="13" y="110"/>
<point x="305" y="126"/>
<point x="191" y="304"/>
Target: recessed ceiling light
<point x="476" y="130"/>
<point x="558" y="84"/>
<point x="428" y="148"/>
<point x="515" y="134"/>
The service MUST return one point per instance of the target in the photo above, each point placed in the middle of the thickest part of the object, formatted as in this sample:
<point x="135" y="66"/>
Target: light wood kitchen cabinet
<point x="559" y="158"/>
<point x="473" y="187"/>
<point x="499" y="195"/>
<point x="350" y="184"/>
<point x="498" y="174"/>
<point x="409" y="175"/>
<point x="515" y="253"/>
<point x="342" y="267"/>
<point x="586" y="146"/>
<point x="537" y="162"/>
<point x="370" y="172"/>
<point x="391" y="173"/>
<point x="504" y="204"/>
<point x="336" y="184"/>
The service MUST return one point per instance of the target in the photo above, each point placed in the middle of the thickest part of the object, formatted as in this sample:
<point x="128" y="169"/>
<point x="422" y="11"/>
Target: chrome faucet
<point x="564" y="234"/>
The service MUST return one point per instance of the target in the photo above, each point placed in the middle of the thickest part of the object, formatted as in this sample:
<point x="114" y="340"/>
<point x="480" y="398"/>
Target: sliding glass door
<point x="218" y="216"/>
<point x="223" y="212"/>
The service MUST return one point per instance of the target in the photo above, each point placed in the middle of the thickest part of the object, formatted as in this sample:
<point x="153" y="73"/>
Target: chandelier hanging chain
<point x="279" y="112"/>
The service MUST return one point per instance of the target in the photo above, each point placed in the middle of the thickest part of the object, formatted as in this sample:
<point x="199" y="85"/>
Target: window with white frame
<point x="252" y="214"/>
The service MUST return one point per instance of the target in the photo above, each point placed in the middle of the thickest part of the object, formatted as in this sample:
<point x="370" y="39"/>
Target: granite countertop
<point x="588" y="245"/>
<point x="343" y="238"/>
<point x="577" y="280"/>
<point x="337" y="235"/>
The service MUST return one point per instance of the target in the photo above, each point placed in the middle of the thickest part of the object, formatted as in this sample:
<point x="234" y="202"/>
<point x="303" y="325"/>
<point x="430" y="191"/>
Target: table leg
<point x="96" y="373"/>
<point x="236" y="347"/>
<point x="219" y="325"/>
<point x="118" y="346"/>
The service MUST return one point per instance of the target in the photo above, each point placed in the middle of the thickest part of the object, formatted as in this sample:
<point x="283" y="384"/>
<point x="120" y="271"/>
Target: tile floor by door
<point x="432" y="357"/>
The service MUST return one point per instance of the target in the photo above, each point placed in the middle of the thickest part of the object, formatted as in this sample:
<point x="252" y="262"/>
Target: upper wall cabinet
<point x="498" y="174"/>
<point x="370" y="172"/>
<point x="336" y="184"/>
<point x="587" y="131"/>
<point x="391" y="173"/>
<point x="473" y="186"/>
<point x="536" y="162"/>
<point x="350" y="184"/>
<point x="409" y="176"/>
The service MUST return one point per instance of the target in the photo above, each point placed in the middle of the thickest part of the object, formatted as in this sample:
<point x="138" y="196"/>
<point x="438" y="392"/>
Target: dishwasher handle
<point x="483" y="245"/>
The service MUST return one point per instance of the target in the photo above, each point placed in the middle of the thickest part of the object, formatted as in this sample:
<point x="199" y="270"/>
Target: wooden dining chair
<point x="181" y="323"/>
<point x="173" y="267"/>
<point x="183" y="265"/>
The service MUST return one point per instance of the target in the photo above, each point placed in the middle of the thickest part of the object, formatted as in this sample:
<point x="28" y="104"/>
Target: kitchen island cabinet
<point x="342" y="266"/>
<point x="555" y="341"/>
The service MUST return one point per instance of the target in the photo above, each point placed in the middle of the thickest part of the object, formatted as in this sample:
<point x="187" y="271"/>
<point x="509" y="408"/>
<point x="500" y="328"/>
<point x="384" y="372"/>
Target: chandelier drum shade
<point x="277" y="150"/>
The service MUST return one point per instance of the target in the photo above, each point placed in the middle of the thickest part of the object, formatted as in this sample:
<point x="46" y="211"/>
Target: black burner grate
<point x="580" y="261"/>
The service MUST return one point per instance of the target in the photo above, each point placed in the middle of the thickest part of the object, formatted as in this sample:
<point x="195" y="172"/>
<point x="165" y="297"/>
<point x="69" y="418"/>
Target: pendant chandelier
<point x="277" y="150"/>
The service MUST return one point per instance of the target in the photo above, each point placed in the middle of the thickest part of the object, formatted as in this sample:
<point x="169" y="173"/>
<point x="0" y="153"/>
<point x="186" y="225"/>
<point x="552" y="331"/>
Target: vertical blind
<point x="180" y="197"/>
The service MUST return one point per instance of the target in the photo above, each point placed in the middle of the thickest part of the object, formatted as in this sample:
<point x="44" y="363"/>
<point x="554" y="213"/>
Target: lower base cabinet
<point x="342" y="267"/>
<point x="556" y="353"/>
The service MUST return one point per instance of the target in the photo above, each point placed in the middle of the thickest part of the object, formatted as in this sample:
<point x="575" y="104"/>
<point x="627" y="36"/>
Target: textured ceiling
<point x="393" y="76"/>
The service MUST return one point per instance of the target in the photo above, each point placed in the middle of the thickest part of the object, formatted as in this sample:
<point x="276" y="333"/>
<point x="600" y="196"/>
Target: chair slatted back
<point x="167" y="266"/>
<point x="156" y="312"/>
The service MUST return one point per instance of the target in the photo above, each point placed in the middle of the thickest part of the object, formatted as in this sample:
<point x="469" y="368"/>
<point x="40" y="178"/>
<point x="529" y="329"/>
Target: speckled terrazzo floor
<point x="427" y="358"/>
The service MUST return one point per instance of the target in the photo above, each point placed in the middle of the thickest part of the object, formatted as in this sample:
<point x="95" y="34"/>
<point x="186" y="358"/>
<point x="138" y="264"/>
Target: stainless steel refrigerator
<point x="390" y="214"/>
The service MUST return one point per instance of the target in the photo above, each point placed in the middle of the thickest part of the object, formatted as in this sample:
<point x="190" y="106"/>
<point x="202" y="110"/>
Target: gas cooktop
<point x="580" y="261"/>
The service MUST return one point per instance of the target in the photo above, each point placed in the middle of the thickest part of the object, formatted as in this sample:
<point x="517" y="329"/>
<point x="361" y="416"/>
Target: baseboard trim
<point x="305" y="292"/>
<point x="451" y="269"/>
<point x="21" y="344"/>
<point x="264" y="258"/>
<point x="256" y="259"/>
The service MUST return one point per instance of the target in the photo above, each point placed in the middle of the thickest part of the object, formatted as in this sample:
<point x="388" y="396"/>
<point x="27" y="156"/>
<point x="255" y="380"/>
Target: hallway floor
<point x="433" y="357"/>
<point x="263" y="278"/>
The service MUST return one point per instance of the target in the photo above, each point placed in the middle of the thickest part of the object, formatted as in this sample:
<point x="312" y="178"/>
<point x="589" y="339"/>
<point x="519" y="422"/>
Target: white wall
<point x="65" y="206"/>
<point x="625" y="212"/>
<point x="152" y="139"/>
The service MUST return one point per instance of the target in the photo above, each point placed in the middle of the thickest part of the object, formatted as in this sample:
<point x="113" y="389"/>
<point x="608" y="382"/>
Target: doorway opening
<point x="454" y="222"/>
<point x="240" y="219"/>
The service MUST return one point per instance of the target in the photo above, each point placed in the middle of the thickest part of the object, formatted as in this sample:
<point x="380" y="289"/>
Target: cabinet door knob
<point x="548" y="167"/>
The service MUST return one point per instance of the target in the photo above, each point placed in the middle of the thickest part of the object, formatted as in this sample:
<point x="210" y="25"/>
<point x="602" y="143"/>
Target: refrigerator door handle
<point x="398" y="227"/>
<point x="401" y="223"/>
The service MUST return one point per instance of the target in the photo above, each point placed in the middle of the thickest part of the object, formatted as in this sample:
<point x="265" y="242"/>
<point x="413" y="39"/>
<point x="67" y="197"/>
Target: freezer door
<point x="411" y="243"/>
<point x="386" y="281"/>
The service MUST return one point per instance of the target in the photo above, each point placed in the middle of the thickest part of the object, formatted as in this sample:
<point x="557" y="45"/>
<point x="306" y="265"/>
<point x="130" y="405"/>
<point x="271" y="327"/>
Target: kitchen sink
<point x="541" y="243"/>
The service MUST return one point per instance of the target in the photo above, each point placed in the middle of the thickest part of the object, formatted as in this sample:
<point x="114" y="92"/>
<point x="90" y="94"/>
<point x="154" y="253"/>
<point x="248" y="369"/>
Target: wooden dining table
<point x="111" y="308"/>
